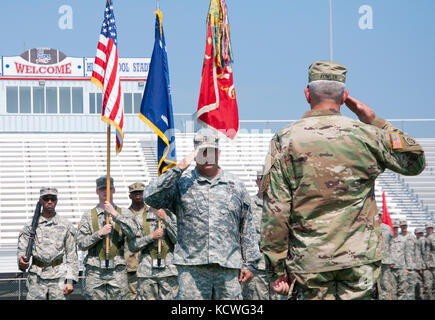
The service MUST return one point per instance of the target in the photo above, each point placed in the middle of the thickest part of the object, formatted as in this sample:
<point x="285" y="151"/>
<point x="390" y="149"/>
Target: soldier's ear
<point x="344" y="96"/>
<point x="307" y="94"/>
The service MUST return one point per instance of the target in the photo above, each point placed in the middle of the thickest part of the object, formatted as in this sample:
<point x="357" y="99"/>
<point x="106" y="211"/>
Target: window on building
<point x="95" y="103"/>
<point x="25" y="100"/>
<point x="12" y="99"/>
<point x="38" y="100"/>
<point x="137" y="102"/>
<point x="99" y="103"/>
<point x="77" y="100"/>
<point x="128" y="103"/>
<point x="91" y="103"/>
<point x="51" y="99"/>
<point x="65" y="100"/>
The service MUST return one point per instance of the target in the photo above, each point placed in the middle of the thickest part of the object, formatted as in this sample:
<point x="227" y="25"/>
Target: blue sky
<point x="391" y="67"/>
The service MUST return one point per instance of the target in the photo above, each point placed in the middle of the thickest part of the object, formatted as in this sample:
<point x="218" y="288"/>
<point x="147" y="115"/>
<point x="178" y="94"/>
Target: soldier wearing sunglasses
<point x="54" y="267"/>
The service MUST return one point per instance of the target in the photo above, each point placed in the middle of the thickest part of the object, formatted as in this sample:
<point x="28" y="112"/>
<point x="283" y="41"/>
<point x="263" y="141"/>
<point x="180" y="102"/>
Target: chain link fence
<point x="13" y="287"/>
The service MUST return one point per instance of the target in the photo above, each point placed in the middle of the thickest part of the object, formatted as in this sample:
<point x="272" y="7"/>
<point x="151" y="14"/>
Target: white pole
<point x="330" y="31"/>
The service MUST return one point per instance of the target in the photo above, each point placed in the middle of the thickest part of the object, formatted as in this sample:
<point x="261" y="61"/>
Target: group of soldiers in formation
<point x="408" y="266"/>
<point x="143" y="261"/>
<point x="312" y="231"/>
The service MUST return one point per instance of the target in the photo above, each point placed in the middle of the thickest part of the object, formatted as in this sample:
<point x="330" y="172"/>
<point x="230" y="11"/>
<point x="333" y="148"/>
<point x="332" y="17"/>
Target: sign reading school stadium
<point x="47" y="63"/>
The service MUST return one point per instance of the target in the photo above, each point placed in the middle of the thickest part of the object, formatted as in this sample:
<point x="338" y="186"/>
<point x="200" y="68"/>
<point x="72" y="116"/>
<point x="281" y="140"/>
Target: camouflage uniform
<point x="155" y="283"/>
<point x="419" y="264"/>
<point x="132" y="261"/>
<point x="54" y="257"/>
<point x="320" y="213"/>
<point x="105" y="283"/>
<point x="398" y="272"/>
<point x="429" y="259"/>
<point x="385" y="278"/>
<point x="410" y="266"/>
<point x="259" y="288"/>
<point x="216" y="232"/>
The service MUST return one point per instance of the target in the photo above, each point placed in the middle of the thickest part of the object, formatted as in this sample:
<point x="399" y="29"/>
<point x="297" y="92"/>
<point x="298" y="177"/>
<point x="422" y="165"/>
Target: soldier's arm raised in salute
<point x="162" y="191"/>
<point x="395" y="149"/>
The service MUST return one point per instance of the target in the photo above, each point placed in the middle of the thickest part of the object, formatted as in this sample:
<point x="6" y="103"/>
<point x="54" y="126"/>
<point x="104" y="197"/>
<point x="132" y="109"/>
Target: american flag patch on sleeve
<point x="396" y="140"/>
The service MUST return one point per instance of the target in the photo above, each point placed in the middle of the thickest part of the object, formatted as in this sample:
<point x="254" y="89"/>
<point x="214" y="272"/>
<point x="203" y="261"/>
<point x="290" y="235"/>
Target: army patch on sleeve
<point x="396" y="140"/>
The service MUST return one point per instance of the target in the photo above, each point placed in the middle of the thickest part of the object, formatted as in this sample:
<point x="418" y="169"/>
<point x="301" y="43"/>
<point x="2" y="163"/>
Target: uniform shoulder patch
<point x="396" y="140"/>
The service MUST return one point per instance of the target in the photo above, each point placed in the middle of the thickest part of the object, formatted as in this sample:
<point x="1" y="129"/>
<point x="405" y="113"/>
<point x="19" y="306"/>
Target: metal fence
<point x="14" y="287"/>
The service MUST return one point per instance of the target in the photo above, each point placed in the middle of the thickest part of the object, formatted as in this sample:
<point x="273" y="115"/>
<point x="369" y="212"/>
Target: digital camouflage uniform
<point x="216" y="232"/>
<point x="54" y="257"/>
<point x="132" y="261"/>
<point x="398" y="272"/>
<point x="259" y="288"/>
<point x="410" y="266"/>
<point x="385" y="278"/>
<point x="320" y="213"/>
<point x="419" y="264"/>
<point x="429" y="273"/>
<point x="105" y="282"/>
<point x="154" y="282"/>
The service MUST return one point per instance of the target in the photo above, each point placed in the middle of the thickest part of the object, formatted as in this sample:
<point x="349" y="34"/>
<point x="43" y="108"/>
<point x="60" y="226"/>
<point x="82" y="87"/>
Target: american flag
<point x="106" y="76"/>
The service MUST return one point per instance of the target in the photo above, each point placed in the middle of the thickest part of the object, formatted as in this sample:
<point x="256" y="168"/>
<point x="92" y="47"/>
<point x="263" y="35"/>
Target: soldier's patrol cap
<point x="48" y="190"/>
<point x="418" y="230"/>
<point x="429" y="225"/>
<point x="395" y="224"/>
<point x="206" y="139"/>
<point x="403" y="223"/>
<point x="327" y="70"/>
<point x="137" y="186"/>
<point x="102" y="181"/>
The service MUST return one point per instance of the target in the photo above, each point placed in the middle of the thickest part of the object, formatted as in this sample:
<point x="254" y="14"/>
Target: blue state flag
<point x="156" y="107"/>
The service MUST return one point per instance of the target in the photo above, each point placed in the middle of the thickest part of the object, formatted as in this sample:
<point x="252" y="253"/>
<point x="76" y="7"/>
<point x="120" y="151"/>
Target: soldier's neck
<point x="48" y="214"/>
<point x="137" y="206"/>
<point x="325" y="105"/>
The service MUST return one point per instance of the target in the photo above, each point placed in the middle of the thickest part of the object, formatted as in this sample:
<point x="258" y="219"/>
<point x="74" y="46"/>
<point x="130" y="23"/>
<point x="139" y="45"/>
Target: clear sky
<point x="391" y="63"/>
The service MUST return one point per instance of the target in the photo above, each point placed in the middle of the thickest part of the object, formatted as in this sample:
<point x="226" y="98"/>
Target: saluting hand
<point x="364" y="113"/>
<point x="185" y="163"/>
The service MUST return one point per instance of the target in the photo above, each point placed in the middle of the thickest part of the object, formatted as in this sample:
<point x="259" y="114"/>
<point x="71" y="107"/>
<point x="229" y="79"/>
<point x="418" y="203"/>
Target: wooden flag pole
<point x="108" y="193"/>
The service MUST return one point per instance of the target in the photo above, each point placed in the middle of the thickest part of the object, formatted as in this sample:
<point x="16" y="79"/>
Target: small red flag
<point x="385" y="214"/>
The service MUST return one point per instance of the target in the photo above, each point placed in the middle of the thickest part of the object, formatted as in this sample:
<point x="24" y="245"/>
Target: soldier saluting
<point x="320" y="222"/>
<point x="54" y="268"/>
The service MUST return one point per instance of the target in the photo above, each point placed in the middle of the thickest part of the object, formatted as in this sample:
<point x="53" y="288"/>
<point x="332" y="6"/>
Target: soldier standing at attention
<point x="399" y="282"/>
<point x="137" y="208"/>
<point x="429" y="259"/>
<point x="217" y="245"/>
<point x="410" y="266"/>
<point x="419" y="262"/>
<point x="385" y="278"/>
<point x="320" y="223"/>
<point x="55" y="266"/>
<point x="258" y="287"/>
<point x="157" y="276"/>
<point x="105" y="282"/>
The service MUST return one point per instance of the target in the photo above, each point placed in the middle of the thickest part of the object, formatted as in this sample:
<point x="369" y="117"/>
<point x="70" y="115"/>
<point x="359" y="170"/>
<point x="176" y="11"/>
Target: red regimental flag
<point x="217" y="105"/>
<point x="385" y="214"/>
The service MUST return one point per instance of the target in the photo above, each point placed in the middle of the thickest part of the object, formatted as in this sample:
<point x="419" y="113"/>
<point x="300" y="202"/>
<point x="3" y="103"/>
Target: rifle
<point x="35" y="220"/>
